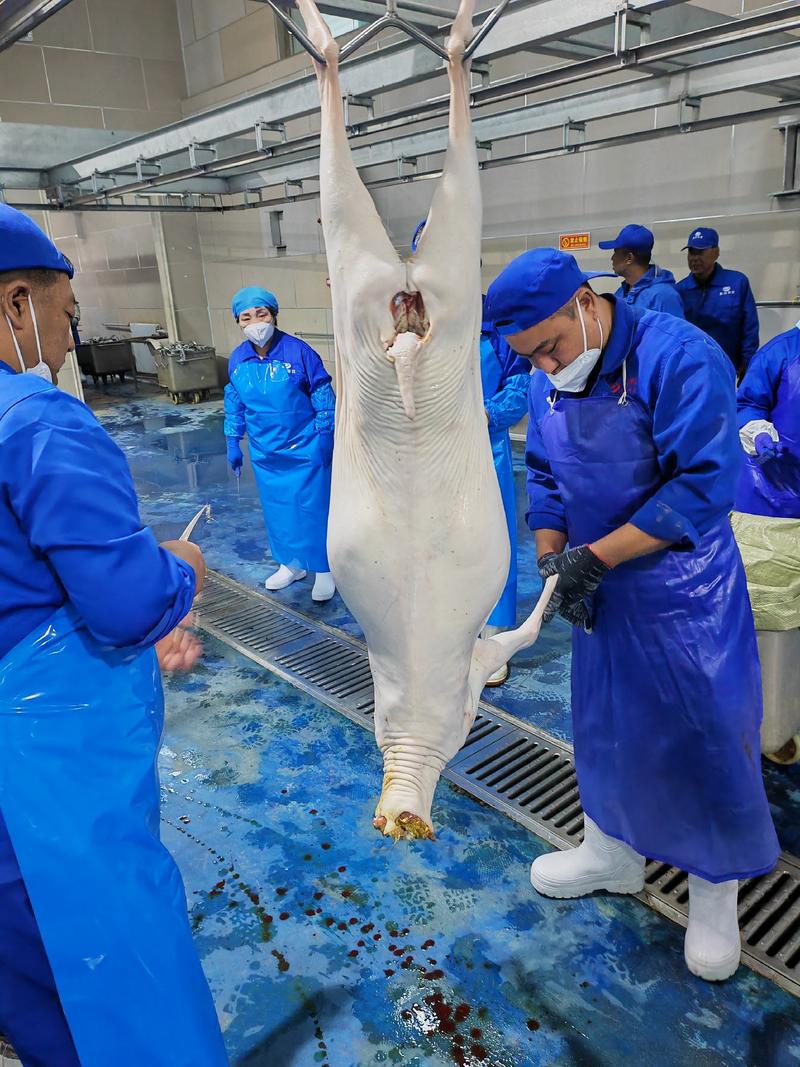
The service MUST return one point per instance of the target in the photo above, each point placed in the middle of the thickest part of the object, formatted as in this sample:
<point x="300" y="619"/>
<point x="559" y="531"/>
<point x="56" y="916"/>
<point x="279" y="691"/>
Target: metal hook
<point x="296" y="32"/>
<point x="485" y="28"/>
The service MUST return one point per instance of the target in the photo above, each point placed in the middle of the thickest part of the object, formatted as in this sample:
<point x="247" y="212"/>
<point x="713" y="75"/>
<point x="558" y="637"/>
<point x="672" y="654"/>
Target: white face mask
<point x="573" y="377"/>
<point x="41" y="370"/>
<point x="259" y="332"/>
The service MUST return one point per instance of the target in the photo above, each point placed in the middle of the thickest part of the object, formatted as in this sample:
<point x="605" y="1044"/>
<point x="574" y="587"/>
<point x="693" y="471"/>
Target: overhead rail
<point x="386" y="71"/>
<point x="626" y="97"/>
<point x="267" y="167"/>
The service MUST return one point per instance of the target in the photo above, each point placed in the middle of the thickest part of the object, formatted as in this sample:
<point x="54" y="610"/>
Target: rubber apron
<point x="80" y="728"/>
<point x="293" y="484"/>
<point x="505" y="611"/>
<point x="666" y="690"/>
<point x="773" y="487"/>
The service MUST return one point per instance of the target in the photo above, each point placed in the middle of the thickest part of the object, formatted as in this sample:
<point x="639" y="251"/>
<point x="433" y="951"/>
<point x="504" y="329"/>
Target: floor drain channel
<point x="516" y="768"/>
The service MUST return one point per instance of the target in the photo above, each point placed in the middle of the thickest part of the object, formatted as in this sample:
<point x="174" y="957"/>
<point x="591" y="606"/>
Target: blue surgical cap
<point x="253" y="296"/>
<point x="23" y="246"/>
<point x="533" y="287"/>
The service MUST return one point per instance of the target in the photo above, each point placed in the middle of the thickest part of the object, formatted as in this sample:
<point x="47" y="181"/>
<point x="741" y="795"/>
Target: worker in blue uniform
<point x="644" y="283"/>
<point x="97" y="964"/>
<point x="633" y="459"/>
<point x="504" y="378"/>
<point x="718" y="300"/>
<point x="768" y="405"/>
<point x="280" y="395"/>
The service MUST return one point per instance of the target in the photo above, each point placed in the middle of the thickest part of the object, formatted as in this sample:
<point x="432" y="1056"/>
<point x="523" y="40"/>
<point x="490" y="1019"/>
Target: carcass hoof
<point x="406" y="827"/>
<point x="412" y="826"/>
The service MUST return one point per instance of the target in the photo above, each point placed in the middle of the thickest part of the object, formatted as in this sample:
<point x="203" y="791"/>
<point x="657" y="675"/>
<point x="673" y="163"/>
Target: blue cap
<point x="253" y="296"/>
<point x="637" y="238"/>
<point x="702" y="237"/>
<point x="418" y="234"/>
<point x="533" y="287"/>
<point x="23" y="246"/>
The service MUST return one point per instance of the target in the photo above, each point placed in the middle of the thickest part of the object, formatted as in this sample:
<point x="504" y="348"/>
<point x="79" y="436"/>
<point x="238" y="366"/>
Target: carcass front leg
<point x="492" y="653"/>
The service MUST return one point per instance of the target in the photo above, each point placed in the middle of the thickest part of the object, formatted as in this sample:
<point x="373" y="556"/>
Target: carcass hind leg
<point x="454" y="221"/>
<point x="355" y="238"/>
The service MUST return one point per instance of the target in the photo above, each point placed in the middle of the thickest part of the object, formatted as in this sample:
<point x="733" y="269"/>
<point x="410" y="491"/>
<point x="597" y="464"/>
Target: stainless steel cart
<point x="102" y="358"/>
<point x="187" y="371"/>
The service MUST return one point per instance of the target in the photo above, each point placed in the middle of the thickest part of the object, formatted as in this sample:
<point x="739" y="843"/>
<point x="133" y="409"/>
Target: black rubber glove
<point x="579" y="574"/>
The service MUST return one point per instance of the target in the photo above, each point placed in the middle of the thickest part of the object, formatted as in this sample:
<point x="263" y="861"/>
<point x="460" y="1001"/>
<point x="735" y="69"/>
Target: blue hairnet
<point x="23" y="246"/>
<point x="253" y="296"/>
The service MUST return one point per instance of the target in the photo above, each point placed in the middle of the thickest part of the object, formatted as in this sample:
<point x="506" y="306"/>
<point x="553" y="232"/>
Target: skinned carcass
<point x="417" y="539"/>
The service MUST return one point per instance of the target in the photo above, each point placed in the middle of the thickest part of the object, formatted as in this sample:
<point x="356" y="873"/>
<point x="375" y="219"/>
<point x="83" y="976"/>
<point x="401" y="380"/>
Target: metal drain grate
<point x="516" y="768"/>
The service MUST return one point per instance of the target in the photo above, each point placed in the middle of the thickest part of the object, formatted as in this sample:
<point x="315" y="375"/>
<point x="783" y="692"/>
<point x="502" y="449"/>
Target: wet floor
<point x="325" y="944"/>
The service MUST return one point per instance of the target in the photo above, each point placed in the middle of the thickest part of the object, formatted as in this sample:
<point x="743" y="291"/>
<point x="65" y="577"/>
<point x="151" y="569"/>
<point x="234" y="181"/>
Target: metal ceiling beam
<point x="514" y="159"/>
<point x="626" y="97"/>
<point x="388" y="70"/>
<point x="36" y="147"/>
<point x="19" y="17"/>
<point x="659" y="57"/>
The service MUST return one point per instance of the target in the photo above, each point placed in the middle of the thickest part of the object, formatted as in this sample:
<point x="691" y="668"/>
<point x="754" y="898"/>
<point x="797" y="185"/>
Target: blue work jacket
<point x="307" y="373"/>
<point x="70" y="530"/>
<point x="725" y="309"/>
<point x="655" y="291"/>
<point x="687" y="386"/>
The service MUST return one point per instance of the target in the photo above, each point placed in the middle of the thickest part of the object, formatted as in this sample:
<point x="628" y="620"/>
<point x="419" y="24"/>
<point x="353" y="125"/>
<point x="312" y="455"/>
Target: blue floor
<point x="325" y="944"/>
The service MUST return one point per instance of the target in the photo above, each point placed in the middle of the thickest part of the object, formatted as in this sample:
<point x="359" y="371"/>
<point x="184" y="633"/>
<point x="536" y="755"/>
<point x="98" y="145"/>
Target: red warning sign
<point x="574" y="242"/>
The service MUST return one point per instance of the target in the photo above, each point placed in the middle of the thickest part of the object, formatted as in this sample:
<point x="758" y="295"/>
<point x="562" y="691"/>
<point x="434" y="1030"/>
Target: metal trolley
<point x="186" y="370"/>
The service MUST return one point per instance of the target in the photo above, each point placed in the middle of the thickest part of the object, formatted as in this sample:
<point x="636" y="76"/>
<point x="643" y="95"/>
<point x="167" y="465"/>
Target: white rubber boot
<point x="712" y="947"/>
<point x="283" y="577"/>
<point x="599" y="862"/>
<point x="324" y="587"/>
<point x="502" y="673"/>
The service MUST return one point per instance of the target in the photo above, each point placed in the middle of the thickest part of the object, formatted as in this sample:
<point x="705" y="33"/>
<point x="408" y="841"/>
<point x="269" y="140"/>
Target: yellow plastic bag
<point x="771" y="552"/>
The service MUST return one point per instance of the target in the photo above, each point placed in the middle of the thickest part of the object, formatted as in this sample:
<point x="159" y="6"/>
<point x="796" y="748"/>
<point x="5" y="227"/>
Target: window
<point x="339" y="25"/>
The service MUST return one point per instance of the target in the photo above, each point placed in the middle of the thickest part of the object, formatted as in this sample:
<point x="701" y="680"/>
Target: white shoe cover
<point x="324" y="586"/>
<point x="283" y="577"/>
<point x="599" y="862"/>
<point x="712" y="947"/>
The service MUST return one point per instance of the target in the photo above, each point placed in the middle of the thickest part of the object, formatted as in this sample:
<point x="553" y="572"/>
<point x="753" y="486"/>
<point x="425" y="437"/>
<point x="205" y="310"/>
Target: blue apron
<point x="773" y="488"/>
<point x="80" y="728"/>
<point x="505" y="611"/>
<point x="666" y="690"/>
<point x="293" y="483"/>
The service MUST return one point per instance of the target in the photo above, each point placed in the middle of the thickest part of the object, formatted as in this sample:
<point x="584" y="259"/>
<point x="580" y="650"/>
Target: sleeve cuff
<point x="660" y="520"/>
<point x="180" y="608"/>
<point x="545" y="520"/>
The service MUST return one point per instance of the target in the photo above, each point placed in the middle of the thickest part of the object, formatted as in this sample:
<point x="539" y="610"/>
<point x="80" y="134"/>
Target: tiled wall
<point x="117" y="278"/>
<point x="237" y="252"/>
<point x="223" y="40"/>
<point x="107" y="64"/>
